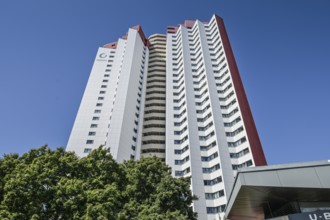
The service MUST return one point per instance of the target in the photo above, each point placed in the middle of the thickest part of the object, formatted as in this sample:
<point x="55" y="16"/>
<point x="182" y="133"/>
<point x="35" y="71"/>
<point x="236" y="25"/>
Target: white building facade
<point x="179" y="97"/>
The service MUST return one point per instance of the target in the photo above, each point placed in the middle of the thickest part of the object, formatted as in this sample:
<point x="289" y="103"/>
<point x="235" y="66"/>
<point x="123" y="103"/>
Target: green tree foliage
<point x="54" y="184"/>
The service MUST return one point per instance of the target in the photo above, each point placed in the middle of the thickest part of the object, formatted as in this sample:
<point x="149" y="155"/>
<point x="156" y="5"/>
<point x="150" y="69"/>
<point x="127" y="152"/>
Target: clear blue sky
<point x="282" y="49"/>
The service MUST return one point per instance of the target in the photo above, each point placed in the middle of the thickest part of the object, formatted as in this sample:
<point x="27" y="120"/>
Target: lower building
<point x="298" y="191"/>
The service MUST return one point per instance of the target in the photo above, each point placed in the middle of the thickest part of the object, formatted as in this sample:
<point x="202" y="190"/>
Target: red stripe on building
<point x="251" y="130"/>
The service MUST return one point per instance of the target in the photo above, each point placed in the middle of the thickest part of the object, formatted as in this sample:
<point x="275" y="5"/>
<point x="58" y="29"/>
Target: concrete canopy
<point x="259" y="191"/>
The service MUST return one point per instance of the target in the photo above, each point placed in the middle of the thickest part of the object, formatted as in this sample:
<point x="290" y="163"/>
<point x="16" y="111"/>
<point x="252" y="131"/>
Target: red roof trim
<point x="141" y="33"/>
<point x="138" y="28"/>
<point x="187" y="24"/>
<point x="112" y="45"/>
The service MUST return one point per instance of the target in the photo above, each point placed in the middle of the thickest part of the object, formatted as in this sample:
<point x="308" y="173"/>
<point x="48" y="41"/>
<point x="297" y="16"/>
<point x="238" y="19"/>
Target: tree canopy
<point x="55" y="184"/>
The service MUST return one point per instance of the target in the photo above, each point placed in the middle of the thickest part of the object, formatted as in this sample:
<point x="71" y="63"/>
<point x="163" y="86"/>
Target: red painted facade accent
<point x="187" y="23"/>
<point x="125" y="36"/>
<point x="139" y="30"/>
<point x="112" y="45"/>
<point x="172" y="29"/>
<point x="251" y="130"/>
<point x="143" y="37"/>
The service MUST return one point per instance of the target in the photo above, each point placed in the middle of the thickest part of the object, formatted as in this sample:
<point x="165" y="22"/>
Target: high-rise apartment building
<point x="178" y="96"/>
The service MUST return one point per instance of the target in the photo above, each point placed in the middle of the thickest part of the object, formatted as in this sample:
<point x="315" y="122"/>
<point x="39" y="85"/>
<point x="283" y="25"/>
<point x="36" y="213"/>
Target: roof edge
<point x="284" y="166"/>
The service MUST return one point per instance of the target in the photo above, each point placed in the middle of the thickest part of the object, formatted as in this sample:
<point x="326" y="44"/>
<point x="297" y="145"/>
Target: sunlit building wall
<point x="177" y="96"/>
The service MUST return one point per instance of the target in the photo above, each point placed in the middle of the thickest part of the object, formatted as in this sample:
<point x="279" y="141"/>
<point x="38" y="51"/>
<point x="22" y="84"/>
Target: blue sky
<point x="282" y="49"/>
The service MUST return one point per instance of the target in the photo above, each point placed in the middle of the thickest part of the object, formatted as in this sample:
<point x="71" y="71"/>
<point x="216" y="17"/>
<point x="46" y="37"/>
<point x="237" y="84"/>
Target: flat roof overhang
<point x="265" y="188"/>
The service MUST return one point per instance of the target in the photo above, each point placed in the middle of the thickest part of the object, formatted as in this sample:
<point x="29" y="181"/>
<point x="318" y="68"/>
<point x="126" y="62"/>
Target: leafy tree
<point x="150" y="194"/>
<point x="55" y="184"/>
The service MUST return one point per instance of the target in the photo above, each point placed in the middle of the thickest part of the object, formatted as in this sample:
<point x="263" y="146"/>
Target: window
<point x="225" y="89"/>
<point x="104" y="86"/>
<point x="229" y="105"/>
<point x="97" y="111"/>
<point x="179" y="107"/>
<point x="91" y="133"/>
<point x="224" y="82"/>
<point x="206" y="127"/>
<point x="202" y="102"/>
<point x="154" y="126"/>
<point x="183" y="172"/>
<point x="102" y="92"/>
<point x="100" y="98"/>
<point x="205" y="148"/>
<point x="96" y="118"/>
<point x="204" y="110"/>
<point x="106" y="75"/>
<point x="237" y="131"/>
<point x="214" y="195"/>
<point x="180" y="162"/>
<point x="205" y="138"/>
<point x="181" y="141"/>
<point x="87" y="150"/>
<point x="93" y="125"/>
<point x="240" y="154"/>
<point x="180" y="123"/>
<point x="205" y="118"/>
<point x="245" y="164"/>
<point x="213" y="181"/>
<point x="211" y="169"/>
<point x="209" y="158"/>
<point x="180" y="99"/>
<point x="105" y="80"/>
<point x="237" y="143"/>
<point x="153" y="98"/>
<point x="154" y="118"/>
<point x="238" y="119"/>
<point x="230" y="114"/>
<point x="154" y="142"/>
<point x="180" y="132"/>
<point x="182" y="150"/>
<point x="214" y="210"/>
<point x="89" y="141"/>
<point x="201" y="95"/>
<point x="153" y="111"/>
<point x="99" y="104"/>
<point x="154" y="133"/>
<point x="153" y="150"/>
